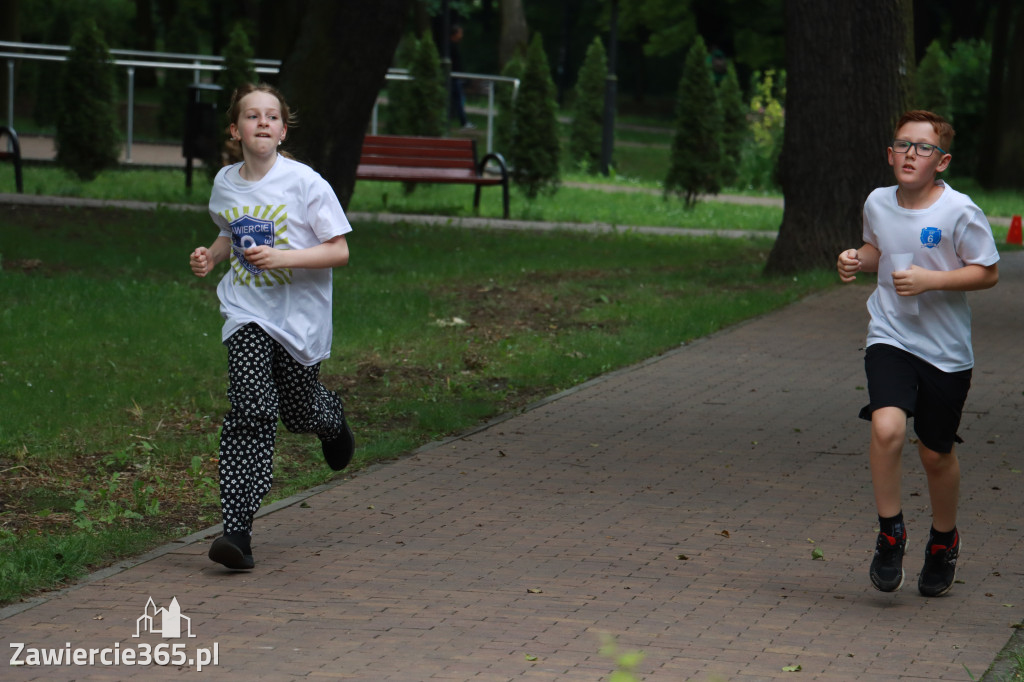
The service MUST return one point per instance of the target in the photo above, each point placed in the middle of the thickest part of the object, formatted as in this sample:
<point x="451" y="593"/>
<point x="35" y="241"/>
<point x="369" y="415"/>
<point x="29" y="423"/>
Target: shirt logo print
<point x="930" y="237"/>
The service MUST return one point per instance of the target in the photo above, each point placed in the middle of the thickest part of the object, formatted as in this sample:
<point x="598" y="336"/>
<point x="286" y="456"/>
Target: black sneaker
<point x="233" y="551"/>
<point x="887" y="564"/>
<point x="939" y="568"/>
<point x="338" y="451"/>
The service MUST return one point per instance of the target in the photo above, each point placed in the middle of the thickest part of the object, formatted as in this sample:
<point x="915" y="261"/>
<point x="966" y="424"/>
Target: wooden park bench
<point x="430" y="159"/>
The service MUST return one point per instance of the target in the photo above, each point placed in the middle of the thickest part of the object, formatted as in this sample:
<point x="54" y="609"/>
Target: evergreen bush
<point x="238" y="70"/>
<point x="87" y="140"/>
<point x="585" y="135"/>
<point x="695" y="165"/>
<point x="419" y="106"/>
<point x="182" y="36"/>
<point x="535" y="144"/>
<point x="968" y="84"/>
<point x="504" y="122"/>
<point x="734" y="125"/>
<point x="759" y="158"/>
<point x="931" y="82"/>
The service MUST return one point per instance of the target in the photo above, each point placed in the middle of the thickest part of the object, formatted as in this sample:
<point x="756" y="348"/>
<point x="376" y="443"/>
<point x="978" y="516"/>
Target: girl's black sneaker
<point x="233" y="551"/>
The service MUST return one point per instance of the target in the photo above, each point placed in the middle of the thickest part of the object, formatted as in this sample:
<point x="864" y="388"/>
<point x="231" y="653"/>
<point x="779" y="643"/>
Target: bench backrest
<point x="418" y="152"/>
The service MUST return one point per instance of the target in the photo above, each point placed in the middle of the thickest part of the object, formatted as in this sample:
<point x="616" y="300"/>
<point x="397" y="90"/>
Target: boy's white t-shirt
<point x="291" y="207"/>
<point x="951" y="233"/>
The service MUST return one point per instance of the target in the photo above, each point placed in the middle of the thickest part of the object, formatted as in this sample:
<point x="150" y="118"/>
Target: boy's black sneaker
<point x="339" y="450"/>
<point x="887" y="564"/>
<point x="233" y="551"/>
<point x="939" y="570"/>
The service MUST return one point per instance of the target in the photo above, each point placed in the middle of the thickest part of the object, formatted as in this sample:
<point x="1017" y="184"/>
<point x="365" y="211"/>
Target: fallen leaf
<point x="791" y="669"/>
<point x="531" y="657"/>
<point x="724" y="533"/>
<point x="682" y="557"/>
<point x="817" y="554"/>
<point x="535" y="590"/>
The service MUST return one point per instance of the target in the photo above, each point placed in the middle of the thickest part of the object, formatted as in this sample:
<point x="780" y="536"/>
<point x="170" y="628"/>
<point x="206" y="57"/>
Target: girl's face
<point x="260" y="126"/>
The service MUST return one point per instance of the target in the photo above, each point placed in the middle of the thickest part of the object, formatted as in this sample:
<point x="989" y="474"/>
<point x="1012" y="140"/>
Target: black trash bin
<point x="203" y="127"/>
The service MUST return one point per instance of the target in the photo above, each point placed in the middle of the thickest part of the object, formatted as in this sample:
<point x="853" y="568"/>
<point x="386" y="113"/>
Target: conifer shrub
<point x="585" y="135"/>
<point x="87" y="140"/>
<point x="734" y="125"/>
<point x="535" y="144"/>
<point x="238" y="70"/>
<point x="931" y="82"/>
<point x="418" y="106"/>
<point x="504" y="98"/>
<point x="759" y="159"/>
<point x="695" y="165"/>
<point x="182" y="36"/>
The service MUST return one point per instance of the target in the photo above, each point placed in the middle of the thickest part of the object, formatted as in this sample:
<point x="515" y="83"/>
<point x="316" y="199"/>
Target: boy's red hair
<point x="940" y="125"/>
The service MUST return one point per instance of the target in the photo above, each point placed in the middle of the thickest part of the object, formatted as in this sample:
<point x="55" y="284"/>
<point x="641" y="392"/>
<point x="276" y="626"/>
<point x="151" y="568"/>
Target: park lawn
<point x="114" y="375"/>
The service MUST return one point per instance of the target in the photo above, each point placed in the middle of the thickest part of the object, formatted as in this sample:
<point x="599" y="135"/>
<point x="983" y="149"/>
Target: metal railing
<point x="199" y="64"/>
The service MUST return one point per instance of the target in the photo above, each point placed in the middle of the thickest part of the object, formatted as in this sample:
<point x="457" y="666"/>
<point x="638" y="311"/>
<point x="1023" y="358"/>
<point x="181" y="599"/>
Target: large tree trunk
<point x="847" y="82"/>
<point x="515" y="34"/>
<point x="1004" y="126"/>
<point x="331" y="81"/>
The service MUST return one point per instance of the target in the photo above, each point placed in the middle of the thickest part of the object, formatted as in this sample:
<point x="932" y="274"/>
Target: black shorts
<point x="935" y="399"/>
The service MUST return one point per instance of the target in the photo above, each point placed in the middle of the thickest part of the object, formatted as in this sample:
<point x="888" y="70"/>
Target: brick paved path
<point x="674" y="506"/>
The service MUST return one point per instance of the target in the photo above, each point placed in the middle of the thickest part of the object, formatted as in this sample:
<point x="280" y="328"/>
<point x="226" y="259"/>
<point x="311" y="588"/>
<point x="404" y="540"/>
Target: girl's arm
<point x="332" y="253"/>
<point x="918" y="280"/>
<point x="203" y="259"/>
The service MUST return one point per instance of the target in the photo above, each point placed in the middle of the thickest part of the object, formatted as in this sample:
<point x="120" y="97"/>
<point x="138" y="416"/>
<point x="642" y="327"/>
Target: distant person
<point x="929" y="245"/>
<point x="458" y="96"/>
<point x="283" y="230"/>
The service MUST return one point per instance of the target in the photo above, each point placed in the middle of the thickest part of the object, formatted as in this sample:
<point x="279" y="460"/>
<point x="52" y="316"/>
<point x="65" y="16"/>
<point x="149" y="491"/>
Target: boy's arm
<point x="332" y="253"/>
<point x="852" y="261"/>
<point x="918" y="280"/>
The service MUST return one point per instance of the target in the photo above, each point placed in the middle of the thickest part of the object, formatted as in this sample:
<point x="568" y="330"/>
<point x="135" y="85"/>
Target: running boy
<point x="929" y="245"/>
<point x="284" y="230"/>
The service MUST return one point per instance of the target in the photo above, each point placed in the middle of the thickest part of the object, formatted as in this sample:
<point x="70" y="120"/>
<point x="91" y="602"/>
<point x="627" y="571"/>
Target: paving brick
<point x="672" y="506"/>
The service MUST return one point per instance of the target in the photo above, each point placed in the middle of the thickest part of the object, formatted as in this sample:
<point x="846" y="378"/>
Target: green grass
<point x="115" y="373"/>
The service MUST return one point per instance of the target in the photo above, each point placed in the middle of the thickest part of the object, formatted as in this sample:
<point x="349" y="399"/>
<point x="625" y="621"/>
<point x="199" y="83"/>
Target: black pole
<point x="610" y="92"/>
<point x="446" y="57"/>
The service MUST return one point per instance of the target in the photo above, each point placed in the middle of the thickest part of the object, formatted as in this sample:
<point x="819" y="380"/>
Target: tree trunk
<point x="1004" y="129"/>
<point x="847" y="83"/>
<point x="515" y="34"/>
<point x="331" y="81"/>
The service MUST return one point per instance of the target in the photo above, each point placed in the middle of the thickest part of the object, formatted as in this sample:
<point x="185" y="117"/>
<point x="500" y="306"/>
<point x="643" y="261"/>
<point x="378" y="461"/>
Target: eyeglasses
<point x="921" y="148"/>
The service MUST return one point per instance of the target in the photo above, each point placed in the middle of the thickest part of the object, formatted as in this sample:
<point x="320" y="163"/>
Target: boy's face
<point x="911" y="169"/>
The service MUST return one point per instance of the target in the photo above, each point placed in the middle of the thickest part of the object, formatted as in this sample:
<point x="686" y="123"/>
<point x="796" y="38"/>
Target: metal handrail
<point x="199" y="64"/>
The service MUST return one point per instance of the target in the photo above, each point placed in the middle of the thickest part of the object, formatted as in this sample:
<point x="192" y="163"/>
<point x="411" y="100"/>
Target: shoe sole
<point x="226" y="553"/>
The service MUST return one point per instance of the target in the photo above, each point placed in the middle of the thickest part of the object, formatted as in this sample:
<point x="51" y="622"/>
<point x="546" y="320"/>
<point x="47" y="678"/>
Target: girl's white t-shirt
<point x="291" y="207"/>
<point x="951" y="233"/>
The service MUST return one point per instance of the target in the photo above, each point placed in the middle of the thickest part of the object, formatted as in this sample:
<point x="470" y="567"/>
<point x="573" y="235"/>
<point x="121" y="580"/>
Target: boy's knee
<point x="889" y="426"/>
<point x="936" y="461"/>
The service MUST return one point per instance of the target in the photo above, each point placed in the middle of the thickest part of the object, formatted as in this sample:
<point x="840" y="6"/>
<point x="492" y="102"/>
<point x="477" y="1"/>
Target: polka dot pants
<point x="265" y="382"/>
